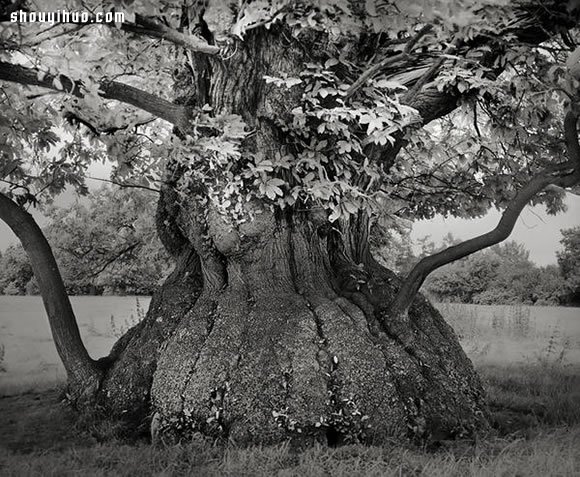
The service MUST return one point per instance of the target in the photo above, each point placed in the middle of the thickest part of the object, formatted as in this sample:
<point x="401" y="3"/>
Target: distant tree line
<point x="502" y="274"/>
<point x="106" y="244"/>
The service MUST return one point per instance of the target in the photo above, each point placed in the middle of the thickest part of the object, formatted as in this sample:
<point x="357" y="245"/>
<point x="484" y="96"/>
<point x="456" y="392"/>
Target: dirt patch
<point x="39" y="421"/>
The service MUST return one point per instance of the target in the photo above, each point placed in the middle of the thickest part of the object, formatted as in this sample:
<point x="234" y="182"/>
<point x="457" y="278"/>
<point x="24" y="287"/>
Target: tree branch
<point x="152" y="28"/>
<point x="46" y="35"/>
<point x="159" y="107"/>
<point x="389" y="61"/>
<point x="126" y="185"/>
<point x="143" y="26"/>
<point x="535" y="24"/>
<point x="432" y="71"/>
<point x="76" y="120"/>
<point x="111" y="260"/>
<point x="83" y="372"/>
<point x="563" y="175"/>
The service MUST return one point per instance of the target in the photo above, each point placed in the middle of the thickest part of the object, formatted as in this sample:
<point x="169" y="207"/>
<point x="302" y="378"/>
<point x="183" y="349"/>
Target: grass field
<point x="30" y="359"/>
<point x="529" y="359"/>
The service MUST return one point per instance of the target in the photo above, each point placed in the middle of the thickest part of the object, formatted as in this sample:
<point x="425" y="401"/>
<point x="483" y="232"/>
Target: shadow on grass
<point x="535" y="417"/>
<point x="525" y="399"/>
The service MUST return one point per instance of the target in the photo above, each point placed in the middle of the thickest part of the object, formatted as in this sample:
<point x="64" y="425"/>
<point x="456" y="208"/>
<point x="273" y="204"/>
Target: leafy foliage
<point x="569" y="261"/>
<point x="15" y="271"/>
<point x="106" y="244"/>
<point x="338" y="131"/>
<point x="109" y="244"/>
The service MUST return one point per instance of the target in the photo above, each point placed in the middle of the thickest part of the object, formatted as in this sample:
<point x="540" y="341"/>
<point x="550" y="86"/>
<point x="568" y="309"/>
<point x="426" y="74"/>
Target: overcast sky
<point x="538" y="231"/>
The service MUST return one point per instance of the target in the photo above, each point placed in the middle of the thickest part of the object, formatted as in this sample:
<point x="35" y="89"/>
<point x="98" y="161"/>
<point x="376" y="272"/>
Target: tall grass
<point x="513" y="327"/>
<point x="470" y="323"/>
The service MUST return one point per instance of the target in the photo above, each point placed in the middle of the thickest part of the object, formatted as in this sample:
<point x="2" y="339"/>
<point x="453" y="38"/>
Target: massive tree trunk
<point x="269" y="329"/>
<point x="286" y="345"/>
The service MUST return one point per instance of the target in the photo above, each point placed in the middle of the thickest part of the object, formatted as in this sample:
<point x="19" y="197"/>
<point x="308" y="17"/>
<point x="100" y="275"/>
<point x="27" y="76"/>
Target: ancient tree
<point x="279" y="133"/>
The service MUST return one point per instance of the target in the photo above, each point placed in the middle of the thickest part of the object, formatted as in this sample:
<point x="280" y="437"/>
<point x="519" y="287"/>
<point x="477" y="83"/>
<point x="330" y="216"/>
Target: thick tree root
<point x="280" y="369"/>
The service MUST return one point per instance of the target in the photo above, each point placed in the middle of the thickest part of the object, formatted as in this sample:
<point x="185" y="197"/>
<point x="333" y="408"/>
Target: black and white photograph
<point x="290" y="238"/>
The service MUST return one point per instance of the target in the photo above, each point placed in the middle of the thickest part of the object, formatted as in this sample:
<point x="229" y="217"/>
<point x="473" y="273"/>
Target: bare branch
<point x="49" y="35"/>
<point x="149" y="27"/>
<point x="159" y="107"/>
<point x="389" y="61"/>
<point x="125" y="184"/>
<point x="110" y="261"/>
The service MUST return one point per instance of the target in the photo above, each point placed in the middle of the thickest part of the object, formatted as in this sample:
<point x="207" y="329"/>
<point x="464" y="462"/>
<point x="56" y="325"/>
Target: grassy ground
<point x="535" y="418"/>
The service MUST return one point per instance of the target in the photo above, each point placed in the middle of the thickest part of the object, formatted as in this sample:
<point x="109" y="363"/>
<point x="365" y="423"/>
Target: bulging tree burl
<point x="278" y="133"/>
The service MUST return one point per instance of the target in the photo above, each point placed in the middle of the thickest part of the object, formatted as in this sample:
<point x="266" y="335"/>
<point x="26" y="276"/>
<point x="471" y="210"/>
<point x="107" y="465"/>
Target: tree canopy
<point x="103" y="244"/>
<point x="502" y="274"/>
<point x="387" y="69"/>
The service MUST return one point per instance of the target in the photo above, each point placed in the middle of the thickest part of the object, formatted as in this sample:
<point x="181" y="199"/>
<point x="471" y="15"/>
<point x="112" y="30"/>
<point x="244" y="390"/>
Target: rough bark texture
<point x="275" y="334"/>
<point x="286" y="350"/>
<point x="133" y="360"/>
<point x="108" y="89"/>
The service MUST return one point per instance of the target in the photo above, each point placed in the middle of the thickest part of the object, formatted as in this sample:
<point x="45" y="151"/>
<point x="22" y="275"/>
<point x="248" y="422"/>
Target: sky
<point x="535" y="229"/>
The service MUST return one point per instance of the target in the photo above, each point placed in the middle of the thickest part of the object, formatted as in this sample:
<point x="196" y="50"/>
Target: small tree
<point x="15" y="271"/>
<point x="109" y="243"/>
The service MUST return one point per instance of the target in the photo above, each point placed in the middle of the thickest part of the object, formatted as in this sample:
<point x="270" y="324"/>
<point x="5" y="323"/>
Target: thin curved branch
<point x="48" y="34"/>
<point x="126" y="185"/>
<point x="159" y="107"/>
<point x="110" y="261"/>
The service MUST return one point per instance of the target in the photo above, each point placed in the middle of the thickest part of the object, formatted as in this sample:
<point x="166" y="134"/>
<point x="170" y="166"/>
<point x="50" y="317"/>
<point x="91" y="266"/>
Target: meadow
<point x="528" y="357"/>
<point x="31" y="362"/>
